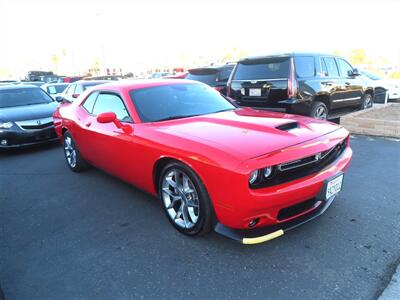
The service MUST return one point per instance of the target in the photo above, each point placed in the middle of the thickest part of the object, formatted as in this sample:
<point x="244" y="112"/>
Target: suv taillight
<point x="292" y="82"/>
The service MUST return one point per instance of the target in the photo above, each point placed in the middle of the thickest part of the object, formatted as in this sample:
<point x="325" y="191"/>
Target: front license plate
<point x="255" y="92"/>
<point x="334" y="186"/>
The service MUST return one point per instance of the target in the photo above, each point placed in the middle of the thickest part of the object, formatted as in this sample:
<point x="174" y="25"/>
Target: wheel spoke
<point x="186" y="217"/>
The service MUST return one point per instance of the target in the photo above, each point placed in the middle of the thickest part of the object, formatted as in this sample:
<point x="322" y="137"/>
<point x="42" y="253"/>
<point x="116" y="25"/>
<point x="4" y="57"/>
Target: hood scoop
<point x="288" y="126"/>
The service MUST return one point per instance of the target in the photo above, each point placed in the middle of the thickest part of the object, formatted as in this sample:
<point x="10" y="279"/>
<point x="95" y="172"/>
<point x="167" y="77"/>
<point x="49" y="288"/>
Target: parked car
<point x="310" y="84"/>
<point x="379" y="91"/>
<point x="73" y="90"/>
<point x="215" y="76"/>
<point x="25" y="116"/>
<point x="249" y="174"/>
<point x="36" y="75"/>
<point x="35" y="83"/>
<point x="159" y="74"/>
<point x="391" y="85"/>
<point x="55" y="90"/>
<point x="177" y="76"/>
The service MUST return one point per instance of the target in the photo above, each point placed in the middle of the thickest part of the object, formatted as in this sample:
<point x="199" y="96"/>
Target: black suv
<point x="302" y="83"/>
<point x="215" y="76"/>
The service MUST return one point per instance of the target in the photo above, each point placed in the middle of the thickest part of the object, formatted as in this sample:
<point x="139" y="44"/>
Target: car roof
<point x="18" y="87"/>
<point x="83" y="82"/>
<point x="286" y="54"/>
<point x="215" y="67"/>
<point x="135" y="84"/>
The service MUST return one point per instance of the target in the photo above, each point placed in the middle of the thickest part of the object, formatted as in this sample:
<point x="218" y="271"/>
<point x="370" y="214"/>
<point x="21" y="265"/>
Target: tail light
<point x="292" y="82"/>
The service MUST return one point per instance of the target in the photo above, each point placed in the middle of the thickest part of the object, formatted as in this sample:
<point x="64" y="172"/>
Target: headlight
<point x="6" y="125"/>
<point x="268" y="172"/>
<point x="253" y="176"/>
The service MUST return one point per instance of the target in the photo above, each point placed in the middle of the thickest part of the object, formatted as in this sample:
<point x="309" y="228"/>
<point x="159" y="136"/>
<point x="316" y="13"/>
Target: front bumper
<point x="17" y="138"/>
<point x="264" y="234"/>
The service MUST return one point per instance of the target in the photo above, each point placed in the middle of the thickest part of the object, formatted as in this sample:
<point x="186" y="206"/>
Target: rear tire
<point x="185" y="200"/>
<point x="318" y="110"/>
<point x="74" y="159"/>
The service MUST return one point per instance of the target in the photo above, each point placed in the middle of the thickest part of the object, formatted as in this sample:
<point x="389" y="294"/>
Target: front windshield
<point x="23" y="96"/>
<point x="177" y="101"/>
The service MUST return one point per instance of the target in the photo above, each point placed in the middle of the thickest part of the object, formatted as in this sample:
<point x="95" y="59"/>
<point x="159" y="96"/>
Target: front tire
<point x="74" y="159"/>
<point x="185" y="199"/>
<point x="367" y="102"/>
<point x="319" y="110"/>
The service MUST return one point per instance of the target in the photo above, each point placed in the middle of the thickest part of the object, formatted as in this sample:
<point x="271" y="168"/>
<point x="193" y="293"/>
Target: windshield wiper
<point x="176" y="117"/>
<point x="227" y="109"/>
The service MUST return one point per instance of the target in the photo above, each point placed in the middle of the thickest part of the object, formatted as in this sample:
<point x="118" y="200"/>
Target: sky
<point x="137" y="35"/>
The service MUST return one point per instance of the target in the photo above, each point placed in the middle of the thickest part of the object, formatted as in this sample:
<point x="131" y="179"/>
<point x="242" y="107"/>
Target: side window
<point x="71" y="90"/>
<point x="107" y="102"/>
<point x="78" y="89"/>
<point x="331" y="66"/>
<point x="345" y="68"/>
<point x="89" y="102"/>
<point x="224" y="74"/>
<point x="305" y="66"/>
<point x="324" y="70"/>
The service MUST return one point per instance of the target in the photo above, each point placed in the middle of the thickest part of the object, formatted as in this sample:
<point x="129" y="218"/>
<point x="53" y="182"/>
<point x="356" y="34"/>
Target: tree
<point x="54" y="61"/>
<point x="358" y="57"/>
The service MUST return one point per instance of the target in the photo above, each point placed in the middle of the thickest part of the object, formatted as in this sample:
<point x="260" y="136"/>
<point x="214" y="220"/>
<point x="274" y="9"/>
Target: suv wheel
<point x="319" y="110"/>
<point x="367" y="101"/>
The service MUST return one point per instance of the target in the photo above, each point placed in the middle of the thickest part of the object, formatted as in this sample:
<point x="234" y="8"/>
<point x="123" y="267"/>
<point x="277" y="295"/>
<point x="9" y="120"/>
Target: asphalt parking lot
<point x="91" y="236"/>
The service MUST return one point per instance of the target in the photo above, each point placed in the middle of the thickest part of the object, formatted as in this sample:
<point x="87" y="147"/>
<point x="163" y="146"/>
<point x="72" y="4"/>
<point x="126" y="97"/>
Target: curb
<point x="359" y="124"/>
<point x="392" y="291"/>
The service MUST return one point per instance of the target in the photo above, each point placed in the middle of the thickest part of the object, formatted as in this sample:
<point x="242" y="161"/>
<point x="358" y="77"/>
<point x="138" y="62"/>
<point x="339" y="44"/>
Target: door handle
<point x="327" y="82"/>
<point x="347" y="83"/>
<point x="87" y="124"/>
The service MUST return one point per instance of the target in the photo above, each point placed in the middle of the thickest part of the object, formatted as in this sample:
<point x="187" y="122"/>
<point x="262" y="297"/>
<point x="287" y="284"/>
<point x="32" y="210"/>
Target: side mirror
<point x="106" y="117"/>
<point x="110" y="117"/>
<point x="75" y="96"/>
<point x="355" y="72"/>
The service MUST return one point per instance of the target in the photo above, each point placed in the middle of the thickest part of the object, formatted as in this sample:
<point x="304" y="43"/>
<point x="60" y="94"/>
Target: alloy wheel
<point x="70" y="151"/>
<point x="180" y="198"/>
<point x="367" y="101"/>
<point x="320" y="113"/>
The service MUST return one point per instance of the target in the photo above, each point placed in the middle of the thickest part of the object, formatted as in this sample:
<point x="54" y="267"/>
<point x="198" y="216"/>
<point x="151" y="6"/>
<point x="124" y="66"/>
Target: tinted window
<point x="305" y="66"/>
<point x="331" y="66"/>
<point x="207" y="76"/>
<point x="271" y="68"/>
<point x="89" y="85"/>
<point x="224" y="74"/>
<point x="89" y="102"/>
<point x="370" y="75"/>
<point x="177" y="101"/>
<point x="56" y="89"/>
<point x="24" y="96"/>
<point x="111" y="103"/>
<point x="324" y="70"/>
<point x="345" y="68"/>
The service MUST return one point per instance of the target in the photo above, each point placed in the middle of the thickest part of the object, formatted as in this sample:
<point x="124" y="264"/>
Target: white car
<point x="392" y="85"/>
<point x="55" y="90"/>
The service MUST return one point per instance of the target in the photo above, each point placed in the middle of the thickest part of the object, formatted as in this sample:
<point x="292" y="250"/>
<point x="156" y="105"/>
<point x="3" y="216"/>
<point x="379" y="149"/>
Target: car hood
<point x="28" y="112"/>
<point x="248" y="133"/>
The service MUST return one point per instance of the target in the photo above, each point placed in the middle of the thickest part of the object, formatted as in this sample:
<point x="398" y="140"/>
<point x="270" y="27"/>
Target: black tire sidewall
<point x="315" y="105"/>
<point x="80" y="162"/>
<point x="204" y="222"/>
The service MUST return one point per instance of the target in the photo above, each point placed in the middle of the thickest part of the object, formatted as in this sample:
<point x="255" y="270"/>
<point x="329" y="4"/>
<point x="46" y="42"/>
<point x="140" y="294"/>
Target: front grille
<point x="303" y="167"/>
<point x="294" y="210"/>
<point x="41" y="126"/>
<point x="36" y="124"/>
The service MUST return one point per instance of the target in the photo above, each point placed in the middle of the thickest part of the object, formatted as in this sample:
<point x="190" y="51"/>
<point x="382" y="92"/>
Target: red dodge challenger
<point x="248" y="174"/>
